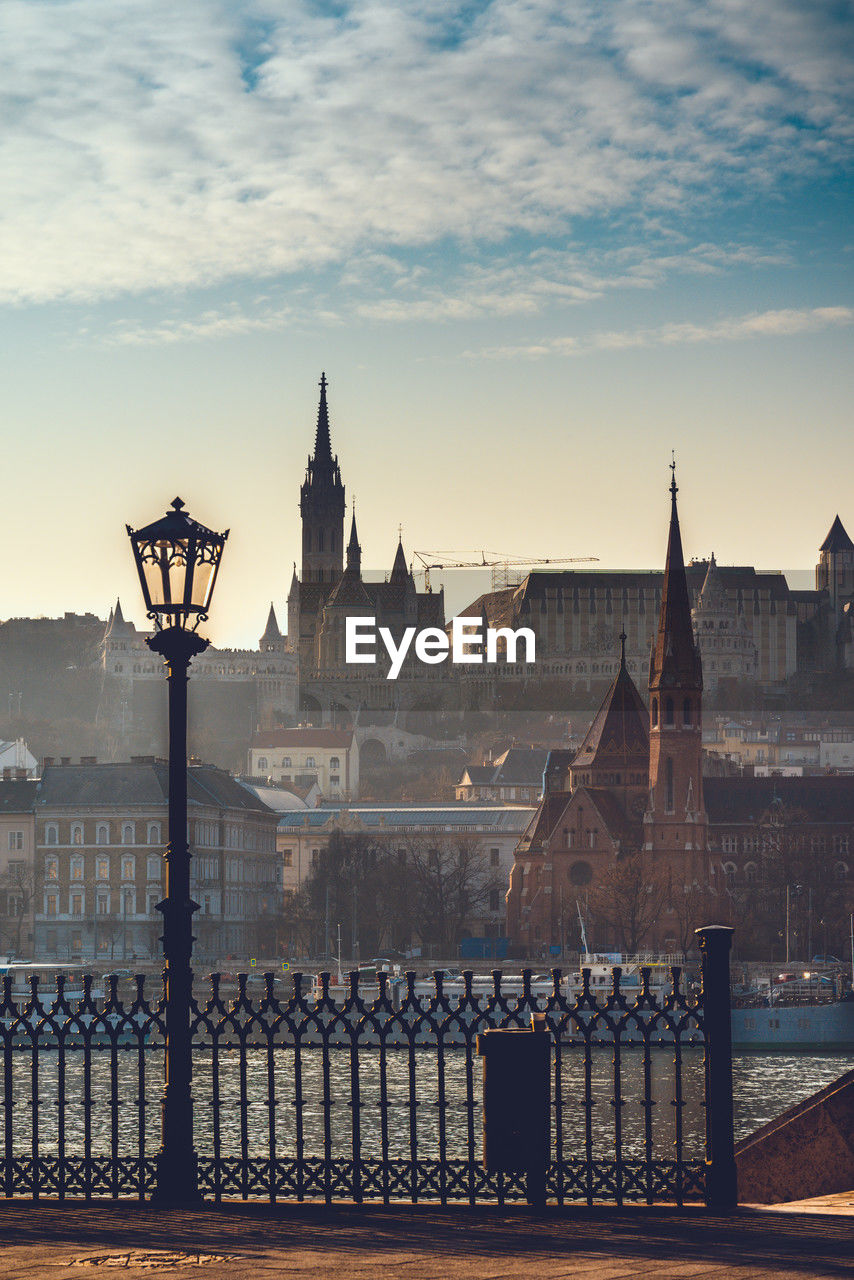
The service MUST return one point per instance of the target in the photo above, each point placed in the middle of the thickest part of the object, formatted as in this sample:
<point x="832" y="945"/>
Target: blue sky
<point x="534" y="245"/>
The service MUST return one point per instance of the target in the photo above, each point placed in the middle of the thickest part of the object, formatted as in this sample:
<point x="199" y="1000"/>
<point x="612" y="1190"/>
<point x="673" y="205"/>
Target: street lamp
<point x="177" y="560"/>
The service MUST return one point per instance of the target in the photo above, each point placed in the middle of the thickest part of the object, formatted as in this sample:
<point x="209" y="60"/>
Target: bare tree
<point x="18" y="882"/>
<point x="629" y="899"/>
<point x="451" y="883"/>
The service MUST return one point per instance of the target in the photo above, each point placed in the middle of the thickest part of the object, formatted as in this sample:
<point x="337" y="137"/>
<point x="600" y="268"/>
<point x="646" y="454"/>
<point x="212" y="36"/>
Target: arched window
<point x="154" y="833"/>
<point x="51" y="835"/>
<point x="668" y="785"/>
<point x="729" y="874"/>
<point x="77" y="833"/>
<point x="127" y="833"/>
<point x="751" y="872"/>
<point x="262" y="762"/>
<point x="668" y="711"/>
<point x="77" y="867"/>
<point x="286" y="762"/>
<point x="840" y="871"/>
<point x="309" y="762"/>
<point x="334" y="763"/>
<point x="686" y="711"/>
<point x="655" y="711"/>
<point x="102" y="833"/>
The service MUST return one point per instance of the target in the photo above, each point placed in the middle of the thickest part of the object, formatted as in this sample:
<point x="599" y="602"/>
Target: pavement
<point x="238" y="1241"/>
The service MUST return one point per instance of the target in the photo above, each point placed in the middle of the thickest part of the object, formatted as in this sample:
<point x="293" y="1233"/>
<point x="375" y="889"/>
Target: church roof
<point x="350" y="590"/>
<point x="675" y="658"/>
<point x="272" y="634"/>
<point x="619" y="734"/>
<point x="118" y="626"/>
<point x="837" y="539"/>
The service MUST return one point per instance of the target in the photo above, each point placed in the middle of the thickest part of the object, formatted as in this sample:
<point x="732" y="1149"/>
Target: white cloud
<point x="767" y="324"/>
<point x="162" y="145"/>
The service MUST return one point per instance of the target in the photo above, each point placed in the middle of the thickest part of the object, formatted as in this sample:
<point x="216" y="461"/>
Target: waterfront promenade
<point x="47" y="1241"/>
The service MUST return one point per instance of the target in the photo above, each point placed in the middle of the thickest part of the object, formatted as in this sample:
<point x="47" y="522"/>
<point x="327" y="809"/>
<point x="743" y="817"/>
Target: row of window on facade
<point x="123" y="904"/>
<point x="402" y="856"/>
<point x="769" y="843"/>
<point x="750" y="873"/>
<point x="76" y="868"/>
<point x="310" y="763"/>
<point x="102" y="833"/>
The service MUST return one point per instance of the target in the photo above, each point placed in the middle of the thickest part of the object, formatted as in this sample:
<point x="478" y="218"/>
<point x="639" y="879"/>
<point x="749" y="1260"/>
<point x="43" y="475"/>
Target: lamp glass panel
<point x="165" y="567"/>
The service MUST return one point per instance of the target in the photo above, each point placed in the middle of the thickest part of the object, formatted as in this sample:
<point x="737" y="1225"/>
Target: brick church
<point x="635" y="786"/>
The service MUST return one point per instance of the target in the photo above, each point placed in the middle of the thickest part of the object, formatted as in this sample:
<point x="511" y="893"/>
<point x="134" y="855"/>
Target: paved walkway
<point x="47" y="1241"/>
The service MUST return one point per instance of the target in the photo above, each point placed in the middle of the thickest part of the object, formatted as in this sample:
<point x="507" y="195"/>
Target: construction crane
<point x="505" y="568"/>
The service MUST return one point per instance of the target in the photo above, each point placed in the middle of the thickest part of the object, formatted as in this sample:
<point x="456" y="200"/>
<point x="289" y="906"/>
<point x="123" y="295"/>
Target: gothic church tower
<point x="322" y="506"/>
<point x="675" y="822"/>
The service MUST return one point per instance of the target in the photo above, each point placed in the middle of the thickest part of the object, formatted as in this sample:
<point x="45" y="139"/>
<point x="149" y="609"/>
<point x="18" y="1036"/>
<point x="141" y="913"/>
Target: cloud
<point x="184" y="144"/>
<point x="764" y="324"/>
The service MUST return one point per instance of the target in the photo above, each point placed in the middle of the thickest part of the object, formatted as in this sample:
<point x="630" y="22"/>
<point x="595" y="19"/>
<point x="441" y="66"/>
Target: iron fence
<point x="376" y="1095"/>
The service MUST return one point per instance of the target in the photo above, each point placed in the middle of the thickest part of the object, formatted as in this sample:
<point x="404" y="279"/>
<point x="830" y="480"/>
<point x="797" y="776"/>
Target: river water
<point x="764" y="1085"/>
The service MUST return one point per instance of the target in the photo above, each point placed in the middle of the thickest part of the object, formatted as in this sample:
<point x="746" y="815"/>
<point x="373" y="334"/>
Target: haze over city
<point x="534" y="248"/>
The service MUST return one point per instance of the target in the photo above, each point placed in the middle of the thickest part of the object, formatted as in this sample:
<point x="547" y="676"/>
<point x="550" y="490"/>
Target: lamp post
<point x="177" y="560"/>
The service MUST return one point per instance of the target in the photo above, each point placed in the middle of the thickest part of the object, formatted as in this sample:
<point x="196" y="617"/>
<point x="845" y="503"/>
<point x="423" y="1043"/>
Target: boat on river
<point x="812" y="1010"/>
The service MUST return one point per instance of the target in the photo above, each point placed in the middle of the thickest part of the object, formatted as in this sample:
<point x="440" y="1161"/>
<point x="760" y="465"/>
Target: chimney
<point x="20" y="774"/>
<point x="64" y="760"/>
<point x="47" y="761"/>
<point x="88" y="759"/>
<point x="7" y="772"/>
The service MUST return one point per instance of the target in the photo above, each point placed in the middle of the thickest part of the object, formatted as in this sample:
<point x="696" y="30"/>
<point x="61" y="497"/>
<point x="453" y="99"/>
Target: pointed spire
<point x="675" y="656"/>
<point x="322" y="441"/>
<point x="399" y="570"/>
<point x="837" y="539"/>
<point x="272" y="635"/>
<point x="354" y="551"/>
<point x="623" y="639"/>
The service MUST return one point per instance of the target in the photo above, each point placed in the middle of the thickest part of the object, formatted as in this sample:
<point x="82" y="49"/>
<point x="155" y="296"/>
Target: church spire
<point x="399" y="571"/>
<point x="322" y="439"/>
<point x="272" y="636"/>
<point x="354" y="551"/>
<point x="675" y="658"/>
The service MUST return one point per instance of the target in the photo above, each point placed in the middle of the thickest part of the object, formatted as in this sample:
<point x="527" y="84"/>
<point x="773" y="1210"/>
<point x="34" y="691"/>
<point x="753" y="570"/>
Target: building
<point x="494" y="831"/>
<point x="100" y="832"/>
<point x="327" y="591"/>
<point x="636" y="790"/>
<point x="302" y="756"/>
<point x="17" y="865"/>
<point x="515" y="775"/>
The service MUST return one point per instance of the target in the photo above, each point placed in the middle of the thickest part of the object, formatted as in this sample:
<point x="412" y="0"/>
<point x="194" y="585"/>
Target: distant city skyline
<point x="534" y="248"/>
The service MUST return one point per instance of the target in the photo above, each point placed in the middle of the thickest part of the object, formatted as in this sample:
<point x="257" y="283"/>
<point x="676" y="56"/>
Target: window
<point x="751" y="872"/>
<point x="127" y="833"/>
<point x="154" y="833"/>
<point x="286" y="762"/>
<point x="103" y="904"/>
<point x="494" y="900"/>
<point x="262" y="762"/>
<point x="287" y="857"/>
<point x="51" y="869"/>
<point x="309" y="762"/>
<point x="51" y="834"/>
<point x="102" y="833"/>
<point x="50" y="906"/>
<point x="840" y="844"/>
<point x="334" y="763"/>
<point x="729" y="844"/>
<point x="128" y="869"/>
<point x="668" y="711"/>
<point x="315" y="857"/>
<point x="102" y="868"/>
<point x="77" y="904"/>
<point x="16" y="840"/>
<point x="152" y="904"/>
<point x="77" y="868"/>
<point x="495" y="857"/>
<point x="686" y="711"/>
<point x="153" y="867"/>
<point x="654" y="712"/>
<point x="668" y="784"/>
<point x="729" y="874"/>
<point x="77" y="833"/>
<point x="840" y="871"/>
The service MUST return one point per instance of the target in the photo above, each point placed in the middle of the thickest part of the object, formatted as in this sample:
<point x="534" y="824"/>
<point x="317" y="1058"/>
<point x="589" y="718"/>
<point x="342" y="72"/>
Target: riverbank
<point x="48" y="1241"/>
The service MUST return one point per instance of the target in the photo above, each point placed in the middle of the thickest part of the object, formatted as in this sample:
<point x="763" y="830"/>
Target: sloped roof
<point x="619" y="734"/>
<point x="349" y="590"/>
<point x="303" y="738"/>
<point x="272" y="634"/>
<point x="827" y="798"/>
<point x="18" y="795"/>
<point x="837" y="539"/>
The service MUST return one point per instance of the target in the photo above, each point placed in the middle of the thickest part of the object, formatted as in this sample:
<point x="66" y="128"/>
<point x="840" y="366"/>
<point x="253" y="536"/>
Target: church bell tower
<point x="322" y="506"/>
<point x="675" y="822"/>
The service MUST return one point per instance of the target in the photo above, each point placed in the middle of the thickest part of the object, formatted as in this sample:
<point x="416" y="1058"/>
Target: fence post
<point x="715" y="941"/>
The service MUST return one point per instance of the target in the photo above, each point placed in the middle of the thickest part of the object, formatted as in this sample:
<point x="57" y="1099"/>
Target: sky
<point x="534" y="245"/>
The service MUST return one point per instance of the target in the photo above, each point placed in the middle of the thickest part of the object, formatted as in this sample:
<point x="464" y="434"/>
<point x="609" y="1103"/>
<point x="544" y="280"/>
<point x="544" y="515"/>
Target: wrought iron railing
<point x="372" y="1096"/>
<point x="376" y="1095"/>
